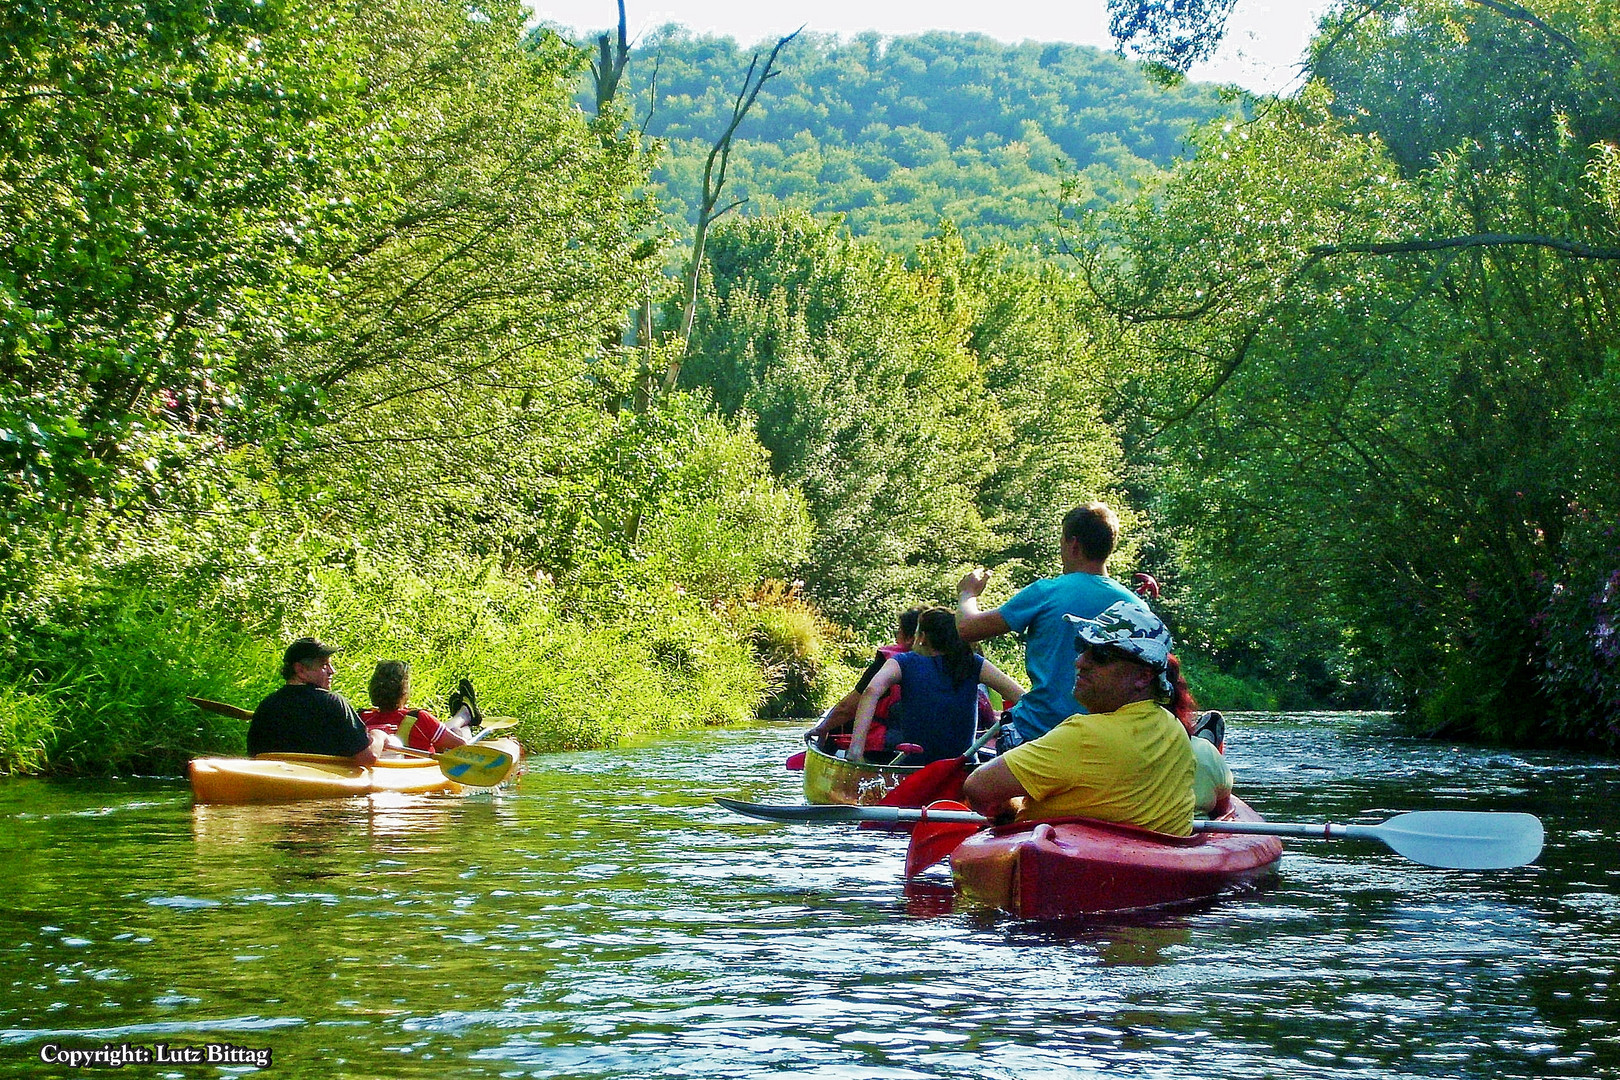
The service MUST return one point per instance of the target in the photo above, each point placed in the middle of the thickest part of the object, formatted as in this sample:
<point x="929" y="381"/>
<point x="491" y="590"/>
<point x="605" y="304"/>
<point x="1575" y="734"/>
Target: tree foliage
<point x="1380" y="320"/>
<point x="1176" y="33"/>
<point x="165" y="173"/>
<point x="896" y="134"/>
<point x="928" y="425"/>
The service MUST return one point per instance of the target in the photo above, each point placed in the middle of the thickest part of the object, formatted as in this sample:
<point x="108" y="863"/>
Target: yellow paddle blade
<point x="475" y="765"/>
<point x="491" y="725"/>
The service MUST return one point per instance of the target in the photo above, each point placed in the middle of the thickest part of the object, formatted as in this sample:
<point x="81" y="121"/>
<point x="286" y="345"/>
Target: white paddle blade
<point x="1463" y="839"/>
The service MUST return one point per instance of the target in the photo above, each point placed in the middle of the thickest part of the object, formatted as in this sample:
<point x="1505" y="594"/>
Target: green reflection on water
<point x="605" y="920"/>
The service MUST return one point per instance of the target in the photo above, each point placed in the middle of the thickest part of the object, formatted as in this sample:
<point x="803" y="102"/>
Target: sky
<point x="1264" y="42"/>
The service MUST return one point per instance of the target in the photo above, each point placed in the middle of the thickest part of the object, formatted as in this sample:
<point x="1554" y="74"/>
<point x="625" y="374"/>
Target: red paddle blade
<point x="935" y="781"/>
<point x="796" y="762"/>
<point x="931" y="841"/>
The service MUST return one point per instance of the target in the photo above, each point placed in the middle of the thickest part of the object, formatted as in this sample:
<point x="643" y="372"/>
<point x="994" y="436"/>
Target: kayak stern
<point x="1053" y="869"/>
<point x="829" y="780"/>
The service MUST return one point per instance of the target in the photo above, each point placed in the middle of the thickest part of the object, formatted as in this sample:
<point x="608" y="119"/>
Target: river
<point x="605" y="919"/>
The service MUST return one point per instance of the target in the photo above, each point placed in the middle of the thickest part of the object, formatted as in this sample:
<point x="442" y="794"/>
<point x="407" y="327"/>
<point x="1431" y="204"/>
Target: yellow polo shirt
<point x="1133" y="765"/>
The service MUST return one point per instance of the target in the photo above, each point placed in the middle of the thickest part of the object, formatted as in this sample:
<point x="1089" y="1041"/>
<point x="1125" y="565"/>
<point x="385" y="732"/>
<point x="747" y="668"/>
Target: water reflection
<point x="606" y="920"/>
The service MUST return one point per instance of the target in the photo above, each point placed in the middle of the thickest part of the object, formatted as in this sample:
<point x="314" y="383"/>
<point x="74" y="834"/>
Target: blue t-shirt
<point x="933" y="712"/>
<point x="1036" y="614"/>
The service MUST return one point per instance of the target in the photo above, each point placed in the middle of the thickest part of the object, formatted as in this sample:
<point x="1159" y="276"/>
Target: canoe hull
<point x="278" y="778"/>
<point x="829" y="779"/>
<point x="1049" y="870"/>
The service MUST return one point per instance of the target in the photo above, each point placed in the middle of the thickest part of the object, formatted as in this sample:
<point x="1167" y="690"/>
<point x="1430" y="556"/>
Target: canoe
<point x="1052" y="869"/>
<point x="272" y="778"/>
<point x="829" y="779"/>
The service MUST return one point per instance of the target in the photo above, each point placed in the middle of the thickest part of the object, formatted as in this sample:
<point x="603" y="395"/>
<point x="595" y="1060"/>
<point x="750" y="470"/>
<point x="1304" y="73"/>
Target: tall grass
<point x="101" y="682"/>
<point x="97" y="675"/>
<point x="28" y="724"/>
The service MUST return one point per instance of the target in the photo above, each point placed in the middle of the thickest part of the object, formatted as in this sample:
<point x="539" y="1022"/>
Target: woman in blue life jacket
<point x="939" y="690"/>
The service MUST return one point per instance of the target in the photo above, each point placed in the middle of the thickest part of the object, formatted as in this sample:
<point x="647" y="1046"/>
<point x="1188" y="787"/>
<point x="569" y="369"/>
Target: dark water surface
<point x="605" y="919"/>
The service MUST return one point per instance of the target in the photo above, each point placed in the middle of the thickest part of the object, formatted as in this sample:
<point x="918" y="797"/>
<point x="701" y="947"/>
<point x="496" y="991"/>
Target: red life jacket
<point x="892" y="695"/>
<point x="415" y="728"/>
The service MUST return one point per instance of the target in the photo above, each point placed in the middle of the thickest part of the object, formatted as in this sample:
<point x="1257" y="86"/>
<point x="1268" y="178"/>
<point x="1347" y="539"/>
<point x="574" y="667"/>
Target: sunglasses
<point x="1103" y="654"/>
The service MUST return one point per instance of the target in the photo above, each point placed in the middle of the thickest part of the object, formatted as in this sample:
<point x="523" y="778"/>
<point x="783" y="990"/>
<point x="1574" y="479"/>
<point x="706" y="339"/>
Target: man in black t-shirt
<point x="305" y="717"/>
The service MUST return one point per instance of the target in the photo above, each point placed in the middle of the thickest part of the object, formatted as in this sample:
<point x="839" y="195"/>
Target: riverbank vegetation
<point x="348" y="320"/>
<point x="1381" y="335"/>
<point x="304" y="320"/>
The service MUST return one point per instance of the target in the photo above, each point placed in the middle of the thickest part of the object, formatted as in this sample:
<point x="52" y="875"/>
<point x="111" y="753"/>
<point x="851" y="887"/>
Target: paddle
<point x="826" y="812"/>
<point x="221" y="708"/>
<point x="1451" y="839"/>
<point x="1454" y="839"/>
<point x="938" y="779"/>
<point x="932" y="840"/>
<point x="475" y="766"/>
<point x="492" y="724"/>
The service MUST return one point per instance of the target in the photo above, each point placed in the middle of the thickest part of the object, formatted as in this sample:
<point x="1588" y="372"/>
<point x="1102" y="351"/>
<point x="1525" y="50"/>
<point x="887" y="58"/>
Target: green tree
<point x="897" y="133"/>
<point x="866" y="398"/>
<point x="1379" y="352"/>
<point x="473" y="309"/>
<point x="165" y="172"/>
<point x="1037" y="343"/>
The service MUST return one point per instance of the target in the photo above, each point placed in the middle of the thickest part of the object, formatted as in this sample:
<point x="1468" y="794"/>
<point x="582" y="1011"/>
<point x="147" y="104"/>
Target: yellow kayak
<point x="829" y="779"/>
<point x="295" y="777"/>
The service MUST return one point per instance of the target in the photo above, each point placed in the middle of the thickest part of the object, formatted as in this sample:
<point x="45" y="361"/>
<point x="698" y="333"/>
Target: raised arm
<point x="973" y="624"/>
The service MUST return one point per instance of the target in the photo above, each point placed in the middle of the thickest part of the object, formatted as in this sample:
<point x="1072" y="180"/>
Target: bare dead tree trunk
<point x="714" y="181"/>
<point x="608" y="68"/>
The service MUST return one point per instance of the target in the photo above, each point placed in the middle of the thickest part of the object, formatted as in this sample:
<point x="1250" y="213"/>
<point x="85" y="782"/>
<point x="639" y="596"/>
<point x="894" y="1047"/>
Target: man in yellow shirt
<point x="1127" y="759"/>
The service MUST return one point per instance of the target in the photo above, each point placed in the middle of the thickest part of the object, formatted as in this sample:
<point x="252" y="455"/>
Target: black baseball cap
<point x="306" y="649"/>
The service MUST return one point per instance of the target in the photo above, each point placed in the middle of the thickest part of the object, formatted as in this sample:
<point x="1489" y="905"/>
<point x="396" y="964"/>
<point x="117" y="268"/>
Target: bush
<point x="1215" y="689"/>
<point x="1579" y="637"/>
<point x="661" y="662"/>
<point x="797" y="648"/>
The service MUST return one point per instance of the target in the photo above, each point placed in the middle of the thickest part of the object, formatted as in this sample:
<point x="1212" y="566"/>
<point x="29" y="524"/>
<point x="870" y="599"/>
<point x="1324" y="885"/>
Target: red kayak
<point x="1050" y="869"/>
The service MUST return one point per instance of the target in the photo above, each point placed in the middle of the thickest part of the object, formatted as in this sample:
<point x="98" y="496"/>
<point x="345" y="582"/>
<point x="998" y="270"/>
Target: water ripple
<point x="606" y="920"/>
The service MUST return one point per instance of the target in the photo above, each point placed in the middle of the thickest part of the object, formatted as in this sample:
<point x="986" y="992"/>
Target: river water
<point x="605" y="919"/>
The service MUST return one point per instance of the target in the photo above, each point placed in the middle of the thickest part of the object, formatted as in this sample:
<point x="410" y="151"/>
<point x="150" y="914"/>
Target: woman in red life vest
<point x="390" y="688"/>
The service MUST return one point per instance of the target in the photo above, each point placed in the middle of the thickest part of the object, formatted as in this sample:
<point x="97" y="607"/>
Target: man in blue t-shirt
<point x="1036" y="612"/>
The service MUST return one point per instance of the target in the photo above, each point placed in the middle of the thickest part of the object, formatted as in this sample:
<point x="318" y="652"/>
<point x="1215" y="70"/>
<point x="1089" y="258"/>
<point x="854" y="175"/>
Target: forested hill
<point x="898" y="133"/>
